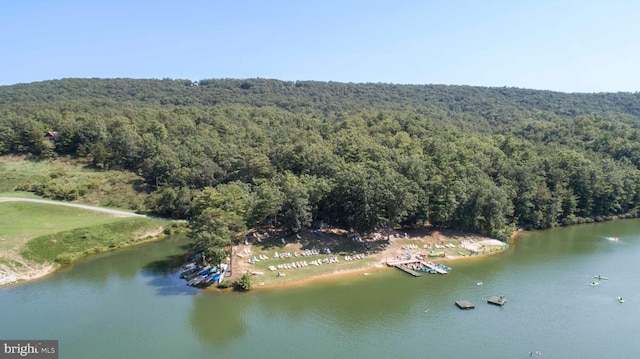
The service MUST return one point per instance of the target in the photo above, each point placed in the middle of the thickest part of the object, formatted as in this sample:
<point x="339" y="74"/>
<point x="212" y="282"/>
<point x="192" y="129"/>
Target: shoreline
<point x="10" y="277"/>
<point x="416" y="241"/>
<point x="376" y="265"/>
<point x="349" y="273"/>
<point x="15" y="270"/>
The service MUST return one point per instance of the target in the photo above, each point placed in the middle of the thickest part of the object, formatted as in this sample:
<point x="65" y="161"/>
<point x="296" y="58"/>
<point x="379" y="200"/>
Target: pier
<point x="411" y="265"/>
<point x="403" y="267"/>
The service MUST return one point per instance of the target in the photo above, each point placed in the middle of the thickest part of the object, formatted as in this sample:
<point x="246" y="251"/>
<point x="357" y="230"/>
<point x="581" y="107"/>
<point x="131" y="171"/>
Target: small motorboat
<point x="594" y="284"/>
<point x="620" y="299"/>
<point x="600" y="277"/>
<point x="612" y="238"/>
<point x="479" y="283"/>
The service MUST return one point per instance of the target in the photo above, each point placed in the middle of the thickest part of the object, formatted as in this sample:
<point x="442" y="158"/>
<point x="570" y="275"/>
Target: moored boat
<point x="187" y="272"/>
<point x="197" y="280"/>
<point x="600" y="277"/>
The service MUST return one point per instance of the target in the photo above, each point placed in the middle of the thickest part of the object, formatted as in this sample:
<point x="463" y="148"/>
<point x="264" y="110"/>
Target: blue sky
<point x="570" y="46"/>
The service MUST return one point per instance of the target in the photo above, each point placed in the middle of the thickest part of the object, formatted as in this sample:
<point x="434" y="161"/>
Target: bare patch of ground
<point x="151" y="233"/>
<point x="14" y="269"/>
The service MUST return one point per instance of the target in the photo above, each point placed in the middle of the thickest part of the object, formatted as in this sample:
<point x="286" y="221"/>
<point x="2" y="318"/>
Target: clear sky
<point x="570" y="46"/>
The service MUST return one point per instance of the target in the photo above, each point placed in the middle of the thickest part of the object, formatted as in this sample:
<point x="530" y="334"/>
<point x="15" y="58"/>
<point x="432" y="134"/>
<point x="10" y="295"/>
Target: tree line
<point x="236" y="154"/>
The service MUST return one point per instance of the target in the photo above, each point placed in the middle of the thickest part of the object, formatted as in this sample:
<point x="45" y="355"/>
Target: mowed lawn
<point x="23" y="221"/>
<point x="45" y="232"/>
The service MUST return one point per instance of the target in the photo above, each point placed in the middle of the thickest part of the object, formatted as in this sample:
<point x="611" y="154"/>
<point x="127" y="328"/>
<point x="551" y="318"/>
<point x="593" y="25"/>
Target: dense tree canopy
<point x="232" y="154"/>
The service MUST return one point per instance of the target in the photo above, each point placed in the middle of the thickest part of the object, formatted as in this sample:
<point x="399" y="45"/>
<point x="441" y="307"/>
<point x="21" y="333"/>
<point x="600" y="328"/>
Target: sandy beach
<point x="261" y="252"/>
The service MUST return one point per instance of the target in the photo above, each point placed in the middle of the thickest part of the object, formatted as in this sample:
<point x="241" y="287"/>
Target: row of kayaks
<point x="427" y="269"/>
<point x="198" y="276"/>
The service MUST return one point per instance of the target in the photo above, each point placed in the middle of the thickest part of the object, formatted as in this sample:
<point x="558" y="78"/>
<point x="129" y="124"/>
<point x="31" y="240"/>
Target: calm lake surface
<point x="131" y="304"/>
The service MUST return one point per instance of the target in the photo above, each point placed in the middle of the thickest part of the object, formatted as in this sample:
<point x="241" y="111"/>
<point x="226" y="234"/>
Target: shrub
<point x="64" y="258"/>
<point x="226" y="283"/>
<point x="245" y="282"/>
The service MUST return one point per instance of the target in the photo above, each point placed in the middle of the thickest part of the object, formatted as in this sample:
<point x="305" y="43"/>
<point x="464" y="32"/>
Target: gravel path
<point x="83" y="206"/>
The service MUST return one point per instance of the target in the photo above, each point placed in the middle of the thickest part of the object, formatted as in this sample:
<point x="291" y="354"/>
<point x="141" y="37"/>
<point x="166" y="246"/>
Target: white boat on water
<point x="620" y="299"/>
<point x="594" y="284"/>
<point x="612" y="238"/>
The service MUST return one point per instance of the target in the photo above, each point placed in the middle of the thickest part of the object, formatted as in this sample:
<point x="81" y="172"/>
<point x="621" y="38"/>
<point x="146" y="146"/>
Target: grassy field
<point x="15" y="172"/>
<point x="338" y="244"/>
<point x="34" y="235"/>
<point x="64" y="179"/>
<point x="24" y="221"/>
<point x="311" y="270"/>
<point x="20" y="194"/>
<point x="63" y="247"/>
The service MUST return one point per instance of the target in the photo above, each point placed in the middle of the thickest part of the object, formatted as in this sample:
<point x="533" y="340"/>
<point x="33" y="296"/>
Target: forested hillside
<point x="266" y="152"/>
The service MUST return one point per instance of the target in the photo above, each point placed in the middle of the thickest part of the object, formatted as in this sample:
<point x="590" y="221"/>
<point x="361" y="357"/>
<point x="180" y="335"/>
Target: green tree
<point x="396" y="195"/>
<point x="296" y="211"/>
<point x="268" y="200"/>
<point x="217" y="221"/>
<point x="245" y="282"/>
<point x="171" y="202"/>
<point x="210" y="234"/>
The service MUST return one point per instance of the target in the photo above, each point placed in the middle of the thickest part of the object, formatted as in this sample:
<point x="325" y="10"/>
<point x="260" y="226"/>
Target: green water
<point x="130" y="304"/>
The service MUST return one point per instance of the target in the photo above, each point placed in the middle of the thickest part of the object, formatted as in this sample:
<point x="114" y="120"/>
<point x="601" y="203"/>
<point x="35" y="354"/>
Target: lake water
<point x="130" y="304"/>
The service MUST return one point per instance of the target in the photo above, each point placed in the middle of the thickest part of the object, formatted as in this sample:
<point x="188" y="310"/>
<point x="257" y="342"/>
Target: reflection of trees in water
<point x="164" y="268"/>
<point x="352" y="302"/>
<point x="385" y="300"/>
<point x="168" y="265"/>
<point x="152" y="259"/>
<point x="100" y="268"/>
<point x="218" y="318"/>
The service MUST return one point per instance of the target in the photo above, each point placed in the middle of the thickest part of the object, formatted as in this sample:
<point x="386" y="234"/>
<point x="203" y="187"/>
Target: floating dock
<point x="407" y="263"/>
<point x="403" y="267"/>
<point x="497" y="300"/>
<point x="464" y="304"/>
<point x="434" y="267"/>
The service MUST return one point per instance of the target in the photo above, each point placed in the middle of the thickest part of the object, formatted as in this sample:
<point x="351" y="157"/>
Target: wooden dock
<point x="403" y="263"/>
<point x="403" y="267"/>
<point x="434" y="267"/>
<point x="464" y="304"/>
<point x="497" y="300"/>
